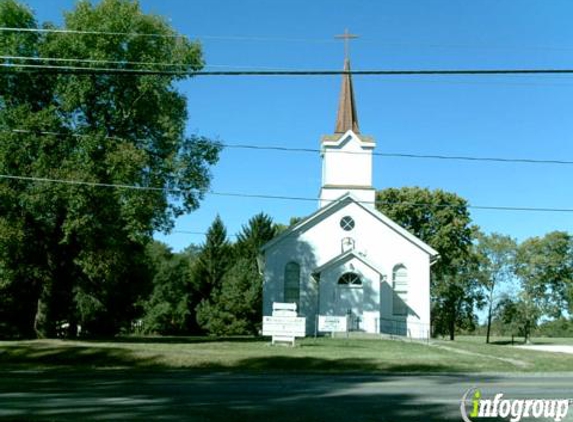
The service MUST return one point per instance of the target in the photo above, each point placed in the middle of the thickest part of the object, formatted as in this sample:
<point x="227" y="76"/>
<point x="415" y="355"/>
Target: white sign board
<point x="284" y="326"/>
<point x="332" y="324"/>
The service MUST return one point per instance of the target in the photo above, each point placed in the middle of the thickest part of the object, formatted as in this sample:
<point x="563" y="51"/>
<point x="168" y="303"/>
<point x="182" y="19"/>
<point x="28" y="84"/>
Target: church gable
<point x="327" y="223"/>
<point x="349" y="141"/>
<point x="348" y="257"/>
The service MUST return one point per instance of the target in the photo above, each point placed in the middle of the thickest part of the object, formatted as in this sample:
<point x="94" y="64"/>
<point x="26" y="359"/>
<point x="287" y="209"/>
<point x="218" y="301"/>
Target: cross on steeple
<point x="346" y="37"/>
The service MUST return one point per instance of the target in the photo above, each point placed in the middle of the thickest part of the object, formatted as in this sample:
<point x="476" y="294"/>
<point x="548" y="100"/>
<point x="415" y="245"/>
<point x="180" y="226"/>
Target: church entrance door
<point x="350" y="301"/>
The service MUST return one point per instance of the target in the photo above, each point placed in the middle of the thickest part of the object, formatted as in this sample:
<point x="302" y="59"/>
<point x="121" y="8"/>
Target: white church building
<point x="348" y="259"/>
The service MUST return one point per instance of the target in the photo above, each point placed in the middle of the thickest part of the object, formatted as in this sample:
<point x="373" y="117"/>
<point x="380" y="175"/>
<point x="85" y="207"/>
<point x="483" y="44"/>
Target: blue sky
<point x="500" y="116"/>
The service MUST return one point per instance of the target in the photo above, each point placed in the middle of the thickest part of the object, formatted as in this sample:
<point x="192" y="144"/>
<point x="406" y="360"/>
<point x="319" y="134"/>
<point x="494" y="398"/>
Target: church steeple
<point x="347" y="118"/>
<point x="350" y="172"/>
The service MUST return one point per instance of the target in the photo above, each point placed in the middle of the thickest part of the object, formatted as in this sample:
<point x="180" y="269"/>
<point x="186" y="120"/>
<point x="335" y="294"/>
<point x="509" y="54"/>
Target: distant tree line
<point x="516" y="285"/>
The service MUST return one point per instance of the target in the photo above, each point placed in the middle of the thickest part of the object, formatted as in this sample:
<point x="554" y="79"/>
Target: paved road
<point x="118" y="395"/>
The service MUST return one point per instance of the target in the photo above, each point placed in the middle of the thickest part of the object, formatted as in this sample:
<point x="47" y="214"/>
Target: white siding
<point x="382" y="246"/>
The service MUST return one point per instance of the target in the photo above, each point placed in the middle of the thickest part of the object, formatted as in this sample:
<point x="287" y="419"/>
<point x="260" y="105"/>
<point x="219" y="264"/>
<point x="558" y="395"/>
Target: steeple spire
<point x="347" y="118"/>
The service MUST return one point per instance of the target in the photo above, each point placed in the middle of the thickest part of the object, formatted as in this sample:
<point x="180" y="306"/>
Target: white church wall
<point x="296" y="249"/>
<point x="380" y="244"/>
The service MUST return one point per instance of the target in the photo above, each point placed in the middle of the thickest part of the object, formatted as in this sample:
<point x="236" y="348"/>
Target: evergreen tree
<point x="236" y="307"/>
<point x="213" y="261"/>
<point x="215" y="258"/>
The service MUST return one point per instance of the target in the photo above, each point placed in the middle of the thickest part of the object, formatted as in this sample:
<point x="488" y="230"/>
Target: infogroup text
<point x="474" y="406"/>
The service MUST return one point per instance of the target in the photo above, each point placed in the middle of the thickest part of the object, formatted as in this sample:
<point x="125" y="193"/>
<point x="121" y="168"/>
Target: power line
<point x="276" y="197"/>
<point x="224" y="66"/>
<point x="404" y="155"/>
<point x="131" y="63"/>
<point x="79" y="32"/>
<point x="90" y="61"/>
<point x="317" y="150"/>
<point x="84" y="183"/>
<point x="180" y="65"/>
<point x="387" y="43"/>
<point x="79" y="70"/>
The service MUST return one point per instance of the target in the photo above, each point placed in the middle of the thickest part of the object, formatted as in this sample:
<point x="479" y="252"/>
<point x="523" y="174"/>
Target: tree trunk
<point x="41" y="320"/>
<point x="526" y="333"/>
<point x="44" y="327"/>
<point x="488" y="322"/>
<point x="490" y="311"/>
<point x="452" y="328"/>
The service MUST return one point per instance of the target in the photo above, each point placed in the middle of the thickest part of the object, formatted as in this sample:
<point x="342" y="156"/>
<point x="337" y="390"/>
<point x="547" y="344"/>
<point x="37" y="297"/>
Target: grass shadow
<point x="40" y="355"/>
<point x="505" y="343"/>
<point x="181" y="339"/>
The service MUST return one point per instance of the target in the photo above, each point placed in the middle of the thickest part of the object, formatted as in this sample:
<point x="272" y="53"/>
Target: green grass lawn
<point x="466" y="354"/>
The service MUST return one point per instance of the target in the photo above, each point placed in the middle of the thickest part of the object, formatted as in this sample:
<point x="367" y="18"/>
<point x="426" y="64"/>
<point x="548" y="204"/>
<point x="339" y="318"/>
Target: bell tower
<point x="347" y="155"/>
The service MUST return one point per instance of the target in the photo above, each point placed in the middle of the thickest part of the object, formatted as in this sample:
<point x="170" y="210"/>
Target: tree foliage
<point x="544" y="266"/>
<point x="519" y="313"/>
<point x="441" y="219"/>
<point x="496" y="260"/>
<point x="71" y="251"/>
<point x="214" y="260"/>
<point x="168" y="309"/>
<point x="236" y="305"/>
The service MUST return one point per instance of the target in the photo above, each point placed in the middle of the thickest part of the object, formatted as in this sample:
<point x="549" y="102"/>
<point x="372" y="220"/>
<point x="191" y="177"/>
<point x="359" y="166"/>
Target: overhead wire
<point x="276" y="197"/>
<point x="79" y="70"/>
<point x="128" y="63"/>
<point x="387" y="43"/>
<point x="317" y="150"/>
<point x="84" y="32"/>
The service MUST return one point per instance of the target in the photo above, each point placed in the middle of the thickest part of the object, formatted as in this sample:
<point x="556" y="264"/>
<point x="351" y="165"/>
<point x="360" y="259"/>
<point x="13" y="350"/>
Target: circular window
<point x="347" y="223"/>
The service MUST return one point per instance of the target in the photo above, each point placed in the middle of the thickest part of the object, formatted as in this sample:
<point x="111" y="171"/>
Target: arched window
<point x="400" y="286"/>
<point x="292" y="283"/>
<point x="350" y="279"/>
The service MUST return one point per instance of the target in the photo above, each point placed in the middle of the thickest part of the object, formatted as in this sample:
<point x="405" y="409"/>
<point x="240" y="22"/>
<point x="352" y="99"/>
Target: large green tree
<point x="544" y="269"/>
<point x="544" y="266"/>
<point x="71" y="251"/>
<point x="496" y="261"/>
<point x="442" y="220"/>
<point x="168" y="309"/>
<point x="520" y="313"/>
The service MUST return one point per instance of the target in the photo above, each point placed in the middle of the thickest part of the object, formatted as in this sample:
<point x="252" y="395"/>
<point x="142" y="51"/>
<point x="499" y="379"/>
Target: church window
<point x="400" y="286"/>
<point x="347" y="223"/>
<point x="350" y="279"/>
<point x="292" y="283"/>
